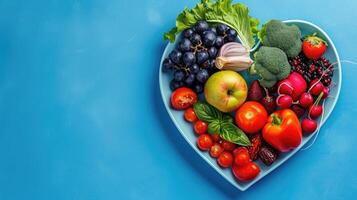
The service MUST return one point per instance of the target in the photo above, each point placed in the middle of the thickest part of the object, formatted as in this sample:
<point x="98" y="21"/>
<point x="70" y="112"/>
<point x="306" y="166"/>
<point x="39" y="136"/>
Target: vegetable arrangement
<point x="236" y="122"/>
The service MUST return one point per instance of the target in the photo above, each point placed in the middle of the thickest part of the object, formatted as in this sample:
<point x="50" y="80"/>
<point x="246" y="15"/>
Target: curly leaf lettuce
<point x="221" y="11"/>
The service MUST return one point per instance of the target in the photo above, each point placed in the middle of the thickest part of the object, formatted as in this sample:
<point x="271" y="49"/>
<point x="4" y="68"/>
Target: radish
<point x="326" y="92"/>
<point x="315" y="109"/>
<point x="284" y="101"/>
<point x="296" y="82"/>
<point x="316" y="87"/>
<point x="308" y="125"/>
<point x="306" y="100"/>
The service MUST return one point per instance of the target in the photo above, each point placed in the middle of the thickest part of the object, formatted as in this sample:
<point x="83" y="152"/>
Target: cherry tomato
<point x="204" y="142"/>
<point x="225" y="159"/>
<point x="216" y="150"/>
<point x="228" y="146"/>
<point x="183" y="98"/>
<point x="251" y="117"/>
<point x="200" y="127"/>
<point x="246" y="172"/>
<point x="216" y="137"/>
<point x="241" y="156"/>
<point x="190" y="115"/>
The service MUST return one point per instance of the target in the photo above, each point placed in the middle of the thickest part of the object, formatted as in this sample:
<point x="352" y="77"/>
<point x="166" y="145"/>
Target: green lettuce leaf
<point x="221" y="11"/>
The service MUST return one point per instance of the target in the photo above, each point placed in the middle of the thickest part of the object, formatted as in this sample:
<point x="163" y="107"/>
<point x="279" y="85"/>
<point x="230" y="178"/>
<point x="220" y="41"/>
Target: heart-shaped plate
<point x="186" y="129"/>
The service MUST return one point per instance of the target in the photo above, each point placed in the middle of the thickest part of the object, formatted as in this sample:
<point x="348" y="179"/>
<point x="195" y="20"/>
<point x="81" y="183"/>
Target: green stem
<point x="276" y="120"/>
<point x="318" y="99"/>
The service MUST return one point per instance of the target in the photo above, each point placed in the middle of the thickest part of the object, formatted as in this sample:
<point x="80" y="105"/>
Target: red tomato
<point x="204" y="142"/>
<point x="183" y="98"/>
<point x="246" y="172"/>
<point x="251" y="117"/>
<point x="241" y="156"/>
<point x="313" y="47"/>
<point x="228" y="146"/>
<point x="216" y="137"/>
<point x="200" y="127"/>
<point x="190" y="115"/>
<point x="225" y="159"/>
<point x="216" y="150"/>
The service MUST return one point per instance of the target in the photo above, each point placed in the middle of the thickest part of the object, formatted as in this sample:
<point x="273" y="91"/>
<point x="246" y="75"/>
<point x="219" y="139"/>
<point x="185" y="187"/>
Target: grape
<point x="201" y="26"/>
<point x="209" y="38"/>
<point x="167" y="65"/>
<point x="212" y="52"/>
<point x="231" y="35"/>
<point x="175" y="84"/>
<point x="188" y="58"/>
<point x="187" y="33"/>
<point x="198" y="88"/>
<point x="219" y="41"/>
<point x="190" y="79"/>
<point x="202" y="75"/>
<point x="211" y="65"/>
<point x="185" y="45"/>
<point x="195" y="39"/>
<point x="201" y="57"/>
<point x="194" y="68"/>
<point x="213" y="29"/>
<point x="179" y="75"/>
<point x="175" y="56"/>
<point x="221" y="29"/>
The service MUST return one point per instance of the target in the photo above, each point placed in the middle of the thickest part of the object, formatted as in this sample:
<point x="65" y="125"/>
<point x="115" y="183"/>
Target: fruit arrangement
<point x="257" y="102"/>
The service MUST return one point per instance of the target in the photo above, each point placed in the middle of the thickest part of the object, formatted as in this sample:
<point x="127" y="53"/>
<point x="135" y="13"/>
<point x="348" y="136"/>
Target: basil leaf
<point x="233" y="134"/>
<point x="214" y="127"/>
<point x="227" y="119"/>
<point x="206" y="112"/>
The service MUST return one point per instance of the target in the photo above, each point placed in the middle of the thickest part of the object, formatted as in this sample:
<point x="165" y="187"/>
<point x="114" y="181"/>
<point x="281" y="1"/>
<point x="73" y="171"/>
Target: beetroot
<point x="255" y="92"/>
<point x="269" y="104"/>
<point x="294" y="81"/>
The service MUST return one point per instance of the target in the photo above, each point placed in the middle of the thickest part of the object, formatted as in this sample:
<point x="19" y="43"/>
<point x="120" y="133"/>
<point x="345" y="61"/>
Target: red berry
<point x="308" y="125"/>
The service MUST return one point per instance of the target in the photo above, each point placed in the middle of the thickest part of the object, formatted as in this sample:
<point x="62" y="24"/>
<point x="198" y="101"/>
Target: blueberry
<point x="195" y="39"/>
<point x="213" y="29"/>
<point x="201" y="26"/>
<point x="198" y="88"/>
<point x="184" y="45"/>
<point x="189" y="80"/>
<point x="221" y="29"/>
<point x="175" y="84"/>
<point x="187" y="33"/>
<point x="194" y="68"/>
<point x="231" y="35"/>
<point x="202" y="75"/>
<point x="167" y="65"/>
<point x="201" y="57"/>
<point x="212" y="52"/>
<point x="188" y="58"/>
<point x="219" y="41"/>
<point x="175" y="56"/>
<point x="179" y="75"/>
<point x="209" y="38"/>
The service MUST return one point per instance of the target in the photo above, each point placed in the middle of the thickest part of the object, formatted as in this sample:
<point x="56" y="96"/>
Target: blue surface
<point x="82" y="117"/>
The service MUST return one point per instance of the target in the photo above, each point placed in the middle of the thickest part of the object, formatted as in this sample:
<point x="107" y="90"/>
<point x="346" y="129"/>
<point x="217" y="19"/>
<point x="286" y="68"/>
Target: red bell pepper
<point x="283" y="130"/>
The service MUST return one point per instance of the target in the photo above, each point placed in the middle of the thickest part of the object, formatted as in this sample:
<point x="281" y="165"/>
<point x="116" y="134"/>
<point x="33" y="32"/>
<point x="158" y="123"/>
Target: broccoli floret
<point x="285" y="37"/>
<point x="271" y="64"/>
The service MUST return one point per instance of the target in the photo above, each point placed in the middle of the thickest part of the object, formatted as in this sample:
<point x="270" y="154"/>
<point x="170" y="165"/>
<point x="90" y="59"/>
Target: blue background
<point x="82" y="117"/>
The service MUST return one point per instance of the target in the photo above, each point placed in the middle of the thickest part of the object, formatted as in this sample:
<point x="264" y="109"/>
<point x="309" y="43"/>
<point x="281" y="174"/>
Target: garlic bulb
<point x="233" y="56"/>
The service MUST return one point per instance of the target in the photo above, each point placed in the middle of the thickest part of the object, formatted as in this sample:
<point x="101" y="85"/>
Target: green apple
<point x="226" y="90"/>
